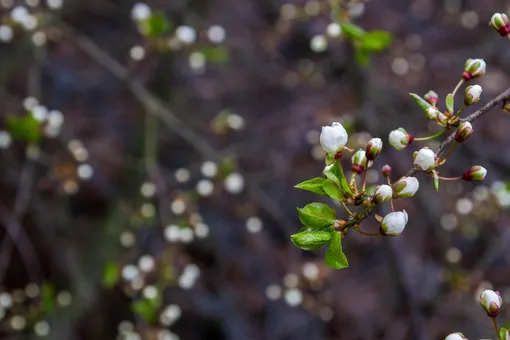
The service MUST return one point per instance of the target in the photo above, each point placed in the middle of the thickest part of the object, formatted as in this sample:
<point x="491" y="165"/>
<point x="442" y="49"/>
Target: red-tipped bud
<point x="374" y="148"/>
<point x="383" y="193"/>
<point x="474" y="68"/>
<point x="463" y="132"/>
<point x="477" y="173"/>
<point x="499" y="22"/>
<point x="431" y="97"/>
<point x="399" y="138"/>
<point x="359" y="161"/>
<point x="491" y="302"/>
<point x="386" y="170"/>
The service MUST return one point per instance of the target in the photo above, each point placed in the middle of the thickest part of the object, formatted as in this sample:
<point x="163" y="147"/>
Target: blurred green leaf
<point x="503" y="333"/>
<point x="47" y="298"/>
<point x="145" y="310"/>
<point x="332" y="190"/>
<point x="317" y="215"/>
<point x="375" y="41"/>
<point x="215" y="54"/>
<point x="449" y="102"/>
<point x="111" y="275"/>
<point x="335" y="257"/>
<point x="313" y="185"/>
<point x="156" y="25"/>
<point x="25" y="128"/>
<point x="353" y="31"/>
<point x="310" y="240"/>
<point x="362" y="57"/>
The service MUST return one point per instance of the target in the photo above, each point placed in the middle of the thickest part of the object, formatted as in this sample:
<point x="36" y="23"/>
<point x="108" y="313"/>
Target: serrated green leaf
<point x="422" y="103"/>
<point x="313" y="185"/>
<point x="156" y="25"/>
<point x="111" y="275"/>
<point x="353" y="31"/>
<point x="332" y="190"/>
<point x="310" y="240"/>
<point x="335" y="257"/>
<point x="25" y="128"/>
<point x="375" y="41"/>
<point x="449" y="102"/>
<point x="317" y="215"/>
<point x="215" y="54"/>
<point x="336" y="174"/>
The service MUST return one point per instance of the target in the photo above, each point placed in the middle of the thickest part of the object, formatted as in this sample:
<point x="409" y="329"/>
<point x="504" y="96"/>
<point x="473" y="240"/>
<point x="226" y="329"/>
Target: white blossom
<point x="425" y="159"/>
<point x="399" y="138"/>
<point x="406" y="187"/>
<point x="383" y="193"/>
<point x="394" y="223"/>
<point x="491" y="302"/>
<point x="333" y="138"/>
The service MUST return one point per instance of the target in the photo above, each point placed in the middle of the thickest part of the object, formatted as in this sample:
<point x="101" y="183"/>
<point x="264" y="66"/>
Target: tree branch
<point x="500" y="99"/>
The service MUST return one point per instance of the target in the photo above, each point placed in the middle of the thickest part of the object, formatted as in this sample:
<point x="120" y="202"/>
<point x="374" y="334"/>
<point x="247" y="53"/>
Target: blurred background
<point x="149" y="153"/>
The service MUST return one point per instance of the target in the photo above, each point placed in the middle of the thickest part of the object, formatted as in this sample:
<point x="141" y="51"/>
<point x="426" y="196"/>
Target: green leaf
<point x="25" y="128"/>
<point x="353" y="31"/>
<point x="336" y="174"/>
<point x="310" y="240"/>
<point x="332" y="190"/>
<point x="503" y="333"/>
<point x="111" y="275"/>
<point x="449" y="102"/>
<point x="362" y="57"/>
<point x="422" y="103"/>
<point x="313" y="185"/>
<point x="335" y="257"/>
<point x="47" y="298"/>
<point x="156" y="25"/>
<point x="317" y="215"/>
<point x="436" y="180"/>
<point x="215" y="54"/>
<point x="375" y="41"/>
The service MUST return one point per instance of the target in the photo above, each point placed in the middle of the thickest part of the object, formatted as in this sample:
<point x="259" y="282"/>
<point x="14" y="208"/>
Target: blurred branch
<point x="500" y="99"/>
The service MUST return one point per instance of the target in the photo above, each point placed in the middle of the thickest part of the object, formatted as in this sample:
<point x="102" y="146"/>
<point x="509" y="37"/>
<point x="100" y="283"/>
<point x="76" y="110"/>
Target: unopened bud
<point x="455" y="336"/>
<point x="394" y="223"/>
<point x="386" y="170"/>
<point x="333" y="138"/>
<point x="499" y="22"/>
<point x="476" y="173"/>
<point x="472" y="94"/>
<point x="399" y="138"/>
<point x="432" y="112"/>
<point x="383" y="193"/>
<point x="359" y="161"/>
<point x="474" y="68"/>
<point x="431" y="97"/>
<point x="425" y="159"/>
<point x="374" y="148"/>
<point x="405" y="187"/>
<point x="491" y="302"/>
<point x="463" y="132"/>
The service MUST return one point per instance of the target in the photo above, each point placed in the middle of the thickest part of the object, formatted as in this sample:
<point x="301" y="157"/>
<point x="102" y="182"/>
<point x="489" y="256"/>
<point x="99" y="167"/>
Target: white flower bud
<point x="472" y="94"/>
<point x="406" y="187"/>
<point x="394" y="223"/>
<point x="382" y="194"/>
<point x="491" y="302"/>
<point x="431" y="97"/>
<point x="464" y="131"/>
<point x="399" y="138"/>
<point x="425" y="159"/>
<point x="374" y="148"/>
<point x="359" y="161"/>
<point x="475" y="173"/>
<point x="431" y="113"/>
<point x="499" y="22"/>
<point x="474" y="68"/>
<point x="455" y="336"/>
<point x="333" y="138"/>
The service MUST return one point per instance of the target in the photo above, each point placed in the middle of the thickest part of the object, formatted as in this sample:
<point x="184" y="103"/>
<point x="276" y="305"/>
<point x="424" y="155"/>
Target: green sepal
<point x="422" y="103"/>
<point x="310" y="240"/>
<point x="503" y="333"/>
<point x="336" y="174"/>
<point x="335" y="257"/>
<point x="317" y="215"/>
<point x="313" y="185"/>
<point x="449" y="103"/>
<point x="435" y="175"/>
